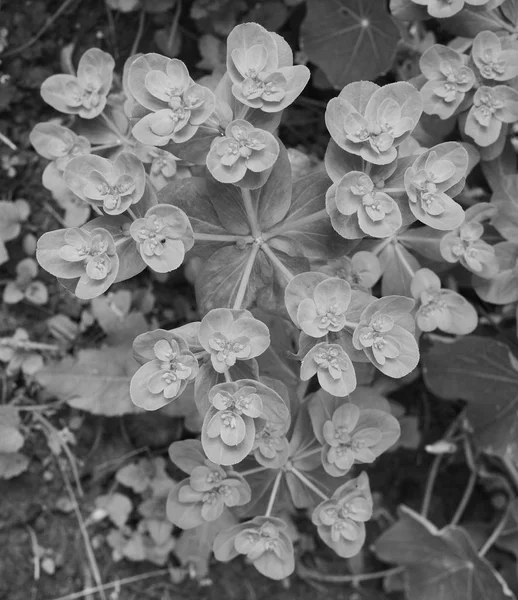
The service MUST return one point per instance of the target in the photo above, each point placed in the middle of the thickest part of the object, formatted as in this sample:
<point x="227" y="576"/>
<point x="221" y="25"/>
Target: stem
<point x="277" y="263"/>
<point x="351" y="324"/>
<point x="404" y="261"/>
<point x="215" y="237"/>
<point x="434" y="470"/>
<point x="113" y="127"/>
<point x="250" y="212"/>
<point x="228" y="378"/>
<point x="328" y="578"/>
<point x="28" y="345"/>
<point x="393" y="190"/>
<point x="465" y="498"/>
<point x="496" y="531"/>
<point x="251" y="471"/>
<point x="8" y="142"/>
<point x="131" y="214"/>
<point x="245" y="279"/>
<point x="104" y="147"/>
<point x="97" y="210"/>
<point x="273" y="494"/>
<point x="309" y="483"/>
<point x="308" y="453"/>
<point x="140" y="31"/>
<point x="289" y="225"/>
<point x="381" y="246"/>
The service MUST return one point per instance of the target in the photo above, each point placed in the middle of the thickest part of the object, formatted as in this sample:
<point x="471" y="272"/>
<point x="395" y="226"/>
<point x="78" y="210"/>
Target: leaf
<point x="307" y="223"/>
<point x="95" y="380"/>
<point x="12" y="464"/>
<point x="117" y="506"/>
<point x="218" y="281"/>
<point x="11" y="440"/>
<point x="194" y="546"/>
<point x="483" y="372"/>
<point x="469" y="22"/>
<point x="349" y="39"/>
<point x="439" y="563"/>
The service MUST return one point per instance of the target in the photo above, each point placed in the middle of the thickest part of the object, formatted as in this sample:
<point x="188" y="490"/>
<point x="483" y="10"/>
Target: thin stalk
<point x="308" y="453"/>
<point x="104" y="147"/>
<point x="382" y="245"/>
<point x="113" y="127"/>
<point x="404" y="261"/>
<point x="273" y="494"/>
<point x="97" y="210"/>
<point x="252" y="471"/>
<point x="434" y="470"/>
<point x="277" y="263"/>
<point x="251" y="213"/>
<point x="140" y="31"/>
<point x="245" y="278"/>
<point x="393" y="190"/>
<point x="8" y="142"/>
<point x="329" y="578"/>
<point x="288" y="226"/>
<point x="465" y="498"/>
<point x="496" y="531"/>
<point x="28" y="345"/>
<point x="228" y="378"/>
<point x="215" y="237"/>
<point x="309" y="484"/>
<point x="131" y="214"/>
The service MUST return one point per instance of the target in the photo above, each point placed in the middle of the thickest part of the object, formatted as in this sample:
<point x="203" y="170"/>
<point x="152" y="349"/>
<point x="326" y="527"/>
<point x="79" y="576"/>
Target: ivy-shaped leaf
<point x="439" y="563"/>
<point x="349" y="39"/>
<point x="483" y="372"/>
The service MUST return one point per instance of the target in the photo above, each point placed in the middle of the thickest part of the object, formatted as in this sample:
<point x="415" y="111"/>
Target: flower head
<point x="163" y="237"/>
<point x="84" y="95"/>
<point x="492" y="107"/>
<point x="86" y="255"/>
<point x="178" y="105"/>
<point x="492" y="59"/>
<point x="231" y="335"/>
<point x="332" y="366"/>
<point x="341" y="519"/>
<point x="164" y="378"/>
<point x="362" y="270"/>
<point x="264" y="541"/>
<point x="449" y="79"/>
<point x="439" y="308"/>
<point x="243" y="148"/>
<point x="25" y="286"/>
<point x="58" y="144"/>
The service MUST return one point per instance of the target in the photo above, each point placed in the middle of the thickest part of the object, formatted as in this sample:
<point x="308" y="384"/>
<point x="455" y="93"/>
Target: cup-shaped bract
<point x="502" y="288"/>
<point x="448" y="80"/>
<point x="441" y="9"/>
<point x="264" y="541"/>
<point x="238" y="410"/>
<point x="163" y="236"/>
<point x="111" y="185"/>
<point x="371" y="121"/>
<point x="354" y="435"/>
<point x="440" y="308"/>
<point x="163" y="378"/>
<point x="204" y="495"/>
<point x="58" y="144"/>
<point x="77" y="253"/>
<point x="318" y="303"/>
<point x="243" y="148"/>
<point x="163" y="167"/>
<point x="260" y="65"/>
<point x="362" y="270"/>
<point x="464" y="245"/>
<point x="341" y="520"/>
<point x="271" y="447"/>
<point x="177" y="106"/>
<point x="229" y="335"/>
<point x="496" y="58"/>
<point x="364" y="208"/>
<point x="492" y="108"/>
<point x="84" y="95"/>
<point x="428" y="180"/>
<point x="385" y="334"/>
<point x="332" y="366"/>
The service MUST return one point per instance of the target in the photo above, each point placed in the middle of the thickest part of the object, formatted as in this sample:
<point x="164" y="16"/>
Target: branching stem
<point x="251" y="213"/>
<point x="273" y="494"/>
<point x="216" y="237"/>
<point x="309" y="484"/>
<point x="290" y="225"/>
<point x="277" y="263"/>
<point x="404" y="261"/>
<point x="496" y="531"/>
<point x="245" y="278"/>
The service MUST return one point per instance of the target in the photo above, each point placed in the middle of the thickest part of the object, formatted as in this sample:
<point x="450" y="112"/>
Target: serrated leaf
<point x="439" y="563"/>
<point x="483" y="372"/>
<point x="96" y="381"/>
<point x="349" y="39"/>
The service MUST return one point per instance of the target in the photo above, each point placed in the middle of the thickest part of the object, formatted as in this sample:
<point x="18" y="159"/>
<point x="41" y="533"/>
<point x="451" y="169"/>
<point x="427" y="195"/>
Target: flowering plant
<point x="352" y="262"/>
